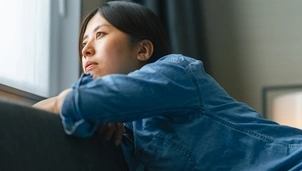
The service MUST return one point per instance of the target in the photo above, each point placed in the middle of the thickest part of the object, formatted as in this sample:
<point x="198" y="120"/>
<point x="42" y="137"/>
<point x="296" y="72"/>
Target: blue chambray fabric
<point x="177" y="117"/>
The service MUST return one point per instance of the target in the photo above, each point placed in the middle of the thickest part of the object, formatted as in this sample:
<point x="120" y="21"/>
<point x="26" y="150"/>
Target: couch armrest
<point x="32" y="139"/>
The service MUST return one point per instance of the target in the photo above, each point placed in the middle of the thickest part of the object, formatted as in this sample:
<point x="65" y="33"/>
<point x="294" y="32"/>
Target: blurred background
<point x="246" y="45"/>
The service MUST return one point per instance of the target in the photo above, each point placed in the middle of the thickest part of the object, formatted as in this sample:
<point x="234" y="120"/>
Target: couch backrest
<point x="33" y="139"/>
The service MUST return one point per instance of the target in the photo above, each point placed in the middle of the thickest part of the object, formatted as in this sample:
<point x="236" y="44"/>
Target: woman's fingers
<point x="119" y="131"/>
<point x="107" y="131"/>
<point x="110" y="130"/>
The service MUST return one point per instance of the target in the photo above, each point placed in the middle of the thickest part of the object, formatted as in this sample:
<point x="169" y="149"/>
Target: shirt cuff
<point x="72" y="120"/>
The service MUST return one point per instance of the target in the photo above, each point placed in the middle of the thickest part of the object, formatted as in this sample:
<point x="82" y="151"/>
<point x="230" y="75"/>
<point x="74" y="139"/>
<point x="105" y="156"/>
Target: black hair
<point x="137" y="21"/>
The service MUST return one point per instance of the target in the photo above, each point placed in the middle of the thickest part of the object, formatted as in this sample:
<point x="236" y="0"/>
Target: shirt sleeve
<point x="165" y="87"/>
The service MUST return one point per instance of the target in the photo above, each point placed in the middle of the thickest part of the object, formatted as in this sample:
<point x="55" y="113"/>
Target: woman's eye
<point x="84" y="44"/>
<point x="98" y="34"/>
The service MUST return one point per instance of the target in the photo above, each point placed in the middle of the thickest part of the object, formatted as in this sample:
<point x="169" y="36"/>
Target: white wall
<point x="254" y="43"/>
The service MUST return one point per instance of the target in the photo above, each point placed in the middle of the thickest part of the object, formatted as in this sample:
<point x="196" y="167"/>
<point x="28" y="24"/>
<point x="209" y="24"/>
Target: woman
<point x="176" y="116"/>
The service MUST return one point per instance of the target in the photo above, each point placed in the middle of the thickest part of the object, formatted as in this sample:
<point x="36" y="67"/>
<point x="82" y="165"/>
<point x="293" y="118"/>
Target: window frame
<point x="64" y="64"/>
<point x="10" y="93"/>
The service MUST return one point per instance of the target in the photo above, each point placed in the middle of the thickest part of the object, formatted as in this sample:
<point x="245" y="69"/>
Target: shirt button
<point x="69" y="128"/>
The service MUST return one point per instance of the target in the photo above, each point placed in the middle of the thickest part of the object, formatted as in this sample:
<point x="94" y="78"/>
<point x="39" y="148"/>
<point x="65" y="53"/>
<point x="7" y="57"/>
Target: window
<point x="39" y="45"/>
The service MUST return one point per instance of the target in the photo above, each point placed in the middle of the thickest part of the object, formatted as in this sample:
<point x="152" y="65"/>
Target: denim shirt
<point x="177" y="117"/>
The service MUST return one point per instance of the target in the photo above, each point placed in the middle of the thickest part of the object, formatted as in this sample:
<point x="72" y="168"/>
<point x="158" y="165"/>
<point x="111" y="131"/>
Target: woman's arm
<point x="53" y="104"/>
<point x="164" y="87"/>
<point x="107" y="130"/>
<point x="47" y="104"/>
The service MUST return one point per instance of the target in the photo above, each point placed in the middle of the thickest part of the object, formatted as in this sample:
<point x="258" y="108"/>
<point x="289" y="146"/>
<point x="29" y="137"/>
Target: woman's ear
<point x="145" y="50"/>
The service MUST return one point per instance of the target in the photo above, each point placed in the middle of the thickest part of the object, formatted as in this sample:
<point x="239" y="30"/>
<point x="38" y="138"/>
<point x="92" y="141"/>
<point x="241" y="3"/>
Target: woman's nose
<point x="88" y="50"/>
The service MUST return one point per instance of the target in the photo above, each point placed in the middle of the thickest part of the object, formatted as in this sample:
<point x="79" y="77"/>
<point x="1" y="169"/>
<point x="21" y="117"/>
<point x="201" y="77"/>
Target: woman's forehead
<point x="96" y="20"/>
<point x="95" y="23"/>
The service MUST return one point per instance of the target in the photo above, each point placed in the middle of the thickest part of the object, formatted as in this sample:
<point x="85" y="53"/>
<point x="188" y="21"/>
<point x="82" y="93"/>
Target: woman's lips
<point x="90" y="67"/>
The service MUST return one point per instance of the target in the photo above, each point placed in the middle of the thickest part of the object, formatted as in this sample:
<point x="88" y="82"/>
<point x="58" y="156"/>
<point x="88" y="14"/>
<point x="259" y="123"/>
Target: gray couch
<point x="33" y="139"/>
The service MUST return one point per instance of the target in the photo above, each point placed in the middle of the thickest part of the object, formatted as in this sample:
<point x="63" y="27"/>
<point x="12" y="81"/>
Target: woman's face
<point x="107" y="50"/>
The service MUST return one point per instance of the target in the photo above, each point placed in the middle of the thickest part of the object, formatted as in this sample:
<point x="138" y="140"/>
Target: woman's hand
<point x="112" y="129"/>
<point x="53" y="104"/>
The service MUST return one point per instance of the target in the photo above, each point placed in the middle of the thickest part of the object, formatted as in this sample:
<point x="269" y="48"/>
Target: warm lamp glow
<point x="287" y="109"/>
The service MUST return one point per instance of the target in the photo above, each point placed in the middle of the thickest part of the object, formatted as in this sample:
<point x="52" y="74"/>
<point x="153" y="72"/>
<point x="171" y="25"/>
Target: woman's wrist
<point x="60" y="100"/>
